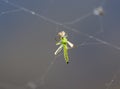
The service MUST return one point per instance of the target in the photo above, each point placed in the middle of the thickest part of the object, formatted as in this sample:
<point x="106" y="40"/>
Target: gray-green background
<point x="27" y="45"/>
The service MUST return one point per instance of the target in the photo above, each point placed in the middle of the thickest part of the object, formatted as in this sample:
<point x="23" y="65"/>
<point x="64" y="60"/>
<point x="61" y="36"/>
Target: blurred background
<point x="27" y="44"/>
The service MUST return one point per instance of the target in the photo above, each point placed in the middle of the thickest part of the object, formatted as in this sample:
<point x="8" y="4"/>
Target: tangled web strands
<point x="62" y="25"/>
<point x="98" y="11"/>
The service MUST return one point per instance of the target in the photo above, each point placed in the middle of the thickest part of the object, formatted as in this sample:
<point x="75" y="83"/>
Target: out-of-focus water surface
<point x="27" y="45"/>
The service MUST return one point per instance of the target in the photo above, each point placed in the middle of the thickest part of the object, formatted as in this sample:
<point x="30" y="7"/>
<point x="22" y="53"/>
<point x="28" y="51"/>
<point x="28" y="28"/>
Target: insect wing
<point x="58" y="50"/>
<point x="70" y="44"/>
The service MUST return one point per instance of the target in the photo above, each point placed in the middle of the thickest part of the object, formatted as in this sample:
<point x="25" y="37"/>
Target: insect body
<point x="63" y="45"/>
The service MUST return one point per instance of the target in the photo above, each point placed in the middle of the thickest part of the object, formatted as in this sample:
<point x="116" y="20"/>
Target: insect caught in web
<point x="63" y="45"/>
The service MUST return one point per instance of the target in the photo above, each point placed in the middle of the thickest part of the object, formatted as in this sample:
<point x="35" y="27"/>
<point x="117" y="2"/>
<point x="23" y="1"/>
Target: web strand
<point x="100" y="42"/>
<point x="42" y="80"/>
<point x="79" y="19"/>
<point x="8" y="12"/>
<point x="113" y="80"/>
<point x="62" y="25"/>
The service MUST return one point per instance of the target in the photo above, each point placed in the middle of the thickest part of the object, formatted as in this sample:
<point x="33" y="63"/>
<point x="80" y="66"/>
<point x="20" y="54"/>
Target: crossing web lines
<point x="69" y="27"/>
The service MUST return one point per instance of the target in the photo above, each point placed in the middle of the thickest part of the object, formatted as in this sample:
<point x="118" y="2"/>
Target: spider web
<point x="69" y="26"/>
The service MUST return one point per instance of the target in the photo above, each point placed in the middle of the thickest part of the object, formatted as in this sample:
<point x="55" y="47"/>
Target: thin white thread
<point x="60" y="24"/>
<point x="11" y="11"/>
<point x="52" y="21"/>
<point x="79" y="19"/>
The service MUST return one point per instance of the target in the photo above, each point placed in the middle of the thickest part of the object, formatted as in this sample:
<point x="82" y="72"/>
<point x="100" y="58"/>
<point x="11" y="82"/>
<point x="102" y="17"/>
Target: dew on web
<point x="99" y="11"/>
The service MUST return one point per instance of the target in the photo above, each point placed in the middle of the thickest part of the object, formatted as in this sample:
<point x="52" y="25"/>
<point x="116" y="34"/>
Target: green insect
<point x="63" y="45"/>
